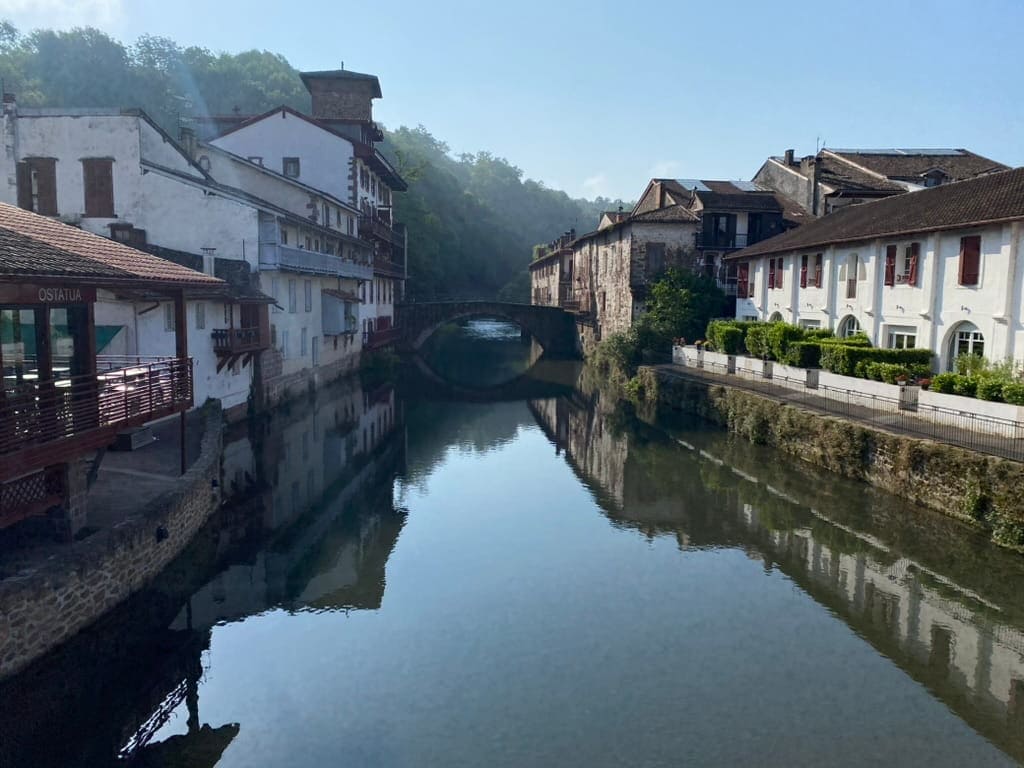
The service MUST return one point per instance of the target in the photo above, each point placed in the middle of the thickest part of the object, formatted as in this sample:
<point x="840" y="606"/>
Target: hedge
<point x="804" y="354"/>
<point x="780" y="336"/>
<point x="757" y="341"/>
<point x="990" y="388"/>
<point x="1013" y="392"/>
<point x="843" y="358"/>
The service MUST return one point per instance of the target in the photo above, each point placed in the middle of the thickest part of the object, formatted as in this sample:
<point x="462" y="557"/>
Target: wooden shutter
<point x="25" y="186"/>
<point x="803" y="271"/>
<point x="771" y="273"/>
<point x="915" y="253"/>
<point x="46" y="185"/>
<point x="98" y="175"/>
<point x="970" y="259"/>
<point x="817" y="271"/>
<point x="890" y="265"/>
<point x="742" y="276"/>
<point x="778" y="274"/>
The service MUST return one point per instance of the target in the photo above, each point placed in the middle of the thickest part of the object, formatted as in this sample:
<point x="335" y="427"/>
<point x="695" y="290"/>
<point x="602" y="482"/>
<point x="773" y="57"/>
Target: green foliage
<point x="943" y="383"/>
<point x="780" y="336"/>
<point x="757" y="341"/>
<point x="729" y="341"/>
<point x="990" y="388"/>
<point x="966" y="386"/>
<point x="1013" y="392"/>
<point x="843" y="358"/>
<point x="971" y="365"/>
<point x="890" y="373"/>
<point x="804" y="354"/>
<point x="857" y="340"/>
<point x="681" y="303"/>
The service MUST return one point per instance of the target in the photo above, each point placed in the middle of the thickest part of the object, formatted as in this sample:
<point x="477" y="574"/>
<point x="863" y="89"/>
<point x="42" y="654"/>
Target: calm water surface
<point x="542" y="582"/>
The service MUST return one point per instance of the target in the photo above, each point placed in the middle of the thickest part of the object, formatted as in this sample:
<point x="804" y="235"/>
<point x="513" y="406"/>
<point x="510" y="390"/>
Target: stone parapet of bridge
<point x="552" y="327"/>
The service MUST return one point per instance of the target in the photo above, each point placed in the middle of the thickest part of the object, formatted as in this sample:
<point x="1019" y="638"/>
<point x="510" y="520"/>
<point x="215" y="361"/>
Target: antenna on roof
<point x="342" y="65"/>
<point x="817" y="144"/>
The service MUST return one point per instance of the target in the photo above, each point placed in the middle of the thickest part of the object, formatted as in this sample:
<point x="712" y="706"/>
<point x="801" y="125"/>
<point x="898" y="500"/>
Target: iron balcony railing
<point x="44" y="422"/>
<point x="235" y="341"/>
<point x="285" y="257"/>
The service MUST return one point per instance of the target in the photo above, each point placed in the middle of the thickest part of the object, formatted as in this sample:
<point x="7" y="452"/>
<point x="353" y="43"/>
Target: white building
<point x="117" y="174"/>
<point x="333" y="151"/>
<point x="940" y="269"/>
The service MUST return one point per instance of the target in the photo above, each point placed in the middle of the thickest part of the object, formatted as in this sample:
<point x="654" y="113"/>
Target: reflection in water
<point x="437" y="583"/>
<point x="478" y="353"/>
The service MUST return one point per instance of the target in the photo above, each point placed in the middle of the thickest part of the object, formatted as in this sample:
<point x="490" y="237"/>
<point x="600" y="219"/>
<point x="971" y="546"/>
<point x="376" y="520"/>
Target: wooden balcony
<point x="385" y="337"/>
<point x="374" y="227"/>
<point x="44" y="423"/>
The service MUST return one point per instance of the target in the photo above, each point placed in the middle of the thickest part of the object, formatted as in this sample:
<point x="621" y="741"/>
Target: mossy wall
<point x="979" y="489"/>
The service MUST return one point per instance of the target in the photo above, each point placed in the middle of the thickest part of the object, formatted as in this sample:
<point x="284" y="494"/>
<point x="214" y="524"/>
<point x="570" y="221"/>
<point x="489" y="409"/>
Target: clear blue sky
<point x="595" y="97"/>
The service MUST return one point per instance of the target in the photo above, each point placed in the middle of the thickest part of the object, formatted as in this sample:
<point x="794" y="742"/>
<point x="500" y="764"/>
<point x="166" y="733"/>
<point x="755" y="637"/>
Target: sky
<point x="597" y="97"/>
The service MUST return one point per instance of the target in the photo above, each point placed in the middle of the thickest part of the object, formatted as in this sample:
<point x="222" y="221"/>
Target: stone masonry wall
<point x="976" y="488"/>
<point x="41" y="608"/>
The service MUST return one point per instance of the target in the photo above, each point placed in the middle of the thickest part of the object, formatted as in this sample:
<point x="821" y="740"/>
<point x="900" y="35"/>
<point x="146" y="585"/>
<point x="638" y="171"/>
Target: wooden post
<point x="181" y="353"/>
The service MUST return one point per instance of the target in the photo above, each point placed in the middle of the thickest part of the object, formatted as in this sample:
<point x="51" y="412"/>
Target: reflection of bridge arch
<point x="545" y="378"/>
<point x="552" y="327"/>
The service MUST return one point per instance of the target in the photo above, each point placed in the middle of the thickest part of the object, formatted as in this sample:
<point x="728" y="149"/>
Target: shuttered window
<point x="98" y="177"/>
<point x="779" y="269"/>
<point x="970" y="259"/>
<point x="771" y="273"/>
<point x="915" y="258"/>
<point x="37" y="185"/>
<point x="817" y="270"/>
<point x="890" y="265"/>
<point x="742" y="276"/>
<point x="803" y="271"/>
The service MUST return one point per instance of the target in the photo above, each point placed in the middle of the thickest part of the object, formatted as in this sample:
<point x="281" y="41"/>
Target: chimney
<point x="187" y="138"/>
<point x="788" y="156"/>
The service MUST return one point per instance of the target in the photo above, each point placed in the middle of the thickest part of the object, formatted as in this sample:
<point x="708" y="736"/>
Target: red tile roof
<point x="996" y="197"/>
<point x="34" y="247"/>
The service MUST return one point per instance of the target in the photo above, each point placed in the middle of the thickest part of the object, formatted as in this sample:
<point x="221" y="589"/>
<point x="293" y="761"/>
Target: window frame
<point x="98" y="188"/>
<point x="291" y="161"/>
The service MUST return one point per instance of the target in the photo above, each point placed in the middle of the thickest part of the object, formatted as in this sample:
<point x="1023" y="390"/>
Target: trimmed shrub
<point x="943" y="383"/>
<point x="857" y="340"/>
<point x="1013" y="392"/>
<point x="780" y="336"/>
<point x="819" y="333"/>
<point x="729" y="340"/>
<point x="967" y="386"/>
<point x="843" y="358"/>
<point x="757" y="340"/>
<point x="804" y="354"/>
<point x="891" y="373"/>
<point x="990" y="389"/>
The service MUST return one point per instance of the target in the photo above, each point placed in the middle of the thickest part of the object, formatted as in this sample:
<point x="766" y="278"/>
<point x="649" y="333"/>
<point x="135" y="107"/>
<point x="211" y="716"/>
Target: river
<point x="528" y="575"/>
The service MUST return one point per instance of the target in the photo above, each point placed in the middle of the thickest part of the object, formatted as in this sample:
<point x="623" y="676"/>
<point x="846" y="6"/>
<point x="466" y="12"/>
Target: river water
<point x="524" y="574"/>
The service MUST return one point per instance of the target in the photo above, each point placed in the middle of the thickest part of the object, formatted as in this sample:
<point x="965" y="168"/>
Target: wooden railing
<point x="47" y="422"/>
<point x="235" y="341"/>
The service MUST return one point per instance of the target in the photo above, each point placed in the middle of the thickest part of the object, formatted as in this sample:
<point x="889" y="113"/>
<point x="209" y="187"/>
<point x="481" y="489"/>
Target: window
<point x="970" y="259"/>
<point x="902" y="337"/>
<point x="890" y="264"/>
<point x="284" y="236"/>
<point x="37" y="185"/>
<point x="810" y="324"/>
<point x="309" y="243"/>
<point x="744" y="288"/>
<point x="292" y="297"/>
<point x="779" y="268"/>
<point x="303" y="342"/>
<point x="309" y="295"/>
<point x="771" y="273"/>
<point x="316" y="353"/>
<point x="256" y="160"/>
<point x="98" y="177"/>
<point x="848" y="327"/>
<point x="803" y="271"/>
<point x="966" y="340"/>
<point x="351" y="225"/>
<point x="316" y="244"/>
<point x="290" y="167"/>
<point x="911" y="257"/>
<point x="817" y="270"/>
<point x="200" y="315"/>
<point x="337" y="217"/>
<point x="169" y="323"/>
<point x="850" y="271"/>
<point x="327" y="214"/>
<point x="284" y="344"/>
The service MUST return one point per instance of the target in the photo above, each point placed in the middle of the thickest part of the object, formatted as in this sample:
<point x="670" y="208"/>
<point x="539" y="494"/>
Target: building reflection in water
<point x="312" y="525"/>
<point x="925" y="593"/>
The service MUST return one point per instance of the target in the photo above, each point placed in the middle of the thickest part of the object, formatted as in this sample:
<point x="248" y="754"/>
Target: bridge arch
<point x="552" y="327"/>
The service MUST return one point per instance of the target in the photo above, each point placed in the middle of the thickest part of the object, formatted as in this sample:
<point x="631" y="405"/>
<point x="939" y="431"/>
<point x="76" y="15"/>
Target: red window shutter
<point x="46" y="186"/>
<point x="817" y="271"/>
<point x="742" y="276"/>
<point x="890" y="265"/>
<point x="771" y="273"/>
<point x="970" y="259"/>
<point x="24" y="186"/>
<point x="803" y="271"/>
<point x="779" y="273"/>
<point x="915" y="254"/>
<point x="98" y="175"/>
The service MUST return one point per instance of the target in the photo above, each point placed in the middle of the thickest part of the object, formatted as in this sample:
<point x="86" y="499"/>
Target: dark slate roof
<point x="843" y="177"/>
<point x="34" y="247"/>
<point x="341" y="74"/>
<point x="986" y="199"/>
<point x="911" y="164"/>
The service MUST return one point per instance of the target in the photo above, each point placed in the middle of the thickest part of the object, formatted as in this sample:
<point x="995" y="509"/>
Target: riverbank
<point x="980" y="490"/>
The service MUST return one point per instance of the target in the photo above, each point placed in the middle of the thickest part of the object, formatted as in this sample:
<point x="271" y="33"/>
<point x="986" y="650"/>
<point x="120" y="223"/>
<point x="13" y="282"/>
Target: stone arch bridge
<point x="552" y="327"/>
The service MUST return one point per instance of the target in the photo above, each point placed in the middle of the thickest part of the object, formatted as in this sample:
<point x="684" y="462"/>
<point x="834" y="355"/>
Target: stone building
<point x="834" y="178"/>
<point x="940" y="269"/>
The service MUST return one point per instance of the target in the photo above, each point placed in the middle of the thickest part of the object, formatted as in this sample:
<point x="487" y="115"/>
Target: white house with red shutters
<point x="939" y="269"/>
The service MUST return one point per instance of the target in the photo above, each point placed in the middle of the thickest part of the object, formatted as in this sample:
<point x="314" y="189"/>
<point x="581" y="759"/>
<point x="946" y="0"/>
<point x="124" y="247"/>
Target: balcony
<point x="378" y="226"/>
<point x="230" y="344"/>
<point x="43" y="423"/>
<point x="726" y="241"/>
<point x="285" y="257"/>
<point x="385" y="337"/>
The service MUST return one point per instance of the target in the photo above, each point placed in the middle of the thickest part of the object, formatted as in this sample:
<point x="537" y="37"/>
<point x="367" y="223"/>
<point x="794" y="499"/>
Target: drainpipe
<point x="1011" y="304"/>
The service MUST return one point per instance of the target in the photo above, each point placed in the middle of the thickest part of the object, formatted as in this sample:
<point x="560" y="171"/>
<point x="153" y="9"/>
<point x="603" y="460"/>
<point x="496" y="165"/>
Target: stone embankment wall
<point x="42" y="607"/>
<point x="985" y="491"/>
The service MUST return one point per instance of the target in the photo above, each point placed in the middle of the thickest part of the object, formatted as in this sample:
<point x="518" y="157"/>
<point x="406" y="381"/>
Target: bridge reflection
<point x="941" y="604"/>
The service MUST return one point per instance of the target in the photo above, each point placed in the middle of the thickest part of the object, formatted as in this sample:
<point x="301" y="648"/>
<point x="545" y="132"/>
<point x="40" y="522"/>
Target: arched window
<point x="966" y="339"/>
<point x="775" y="318"/>
<point x="848" y="327"/>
